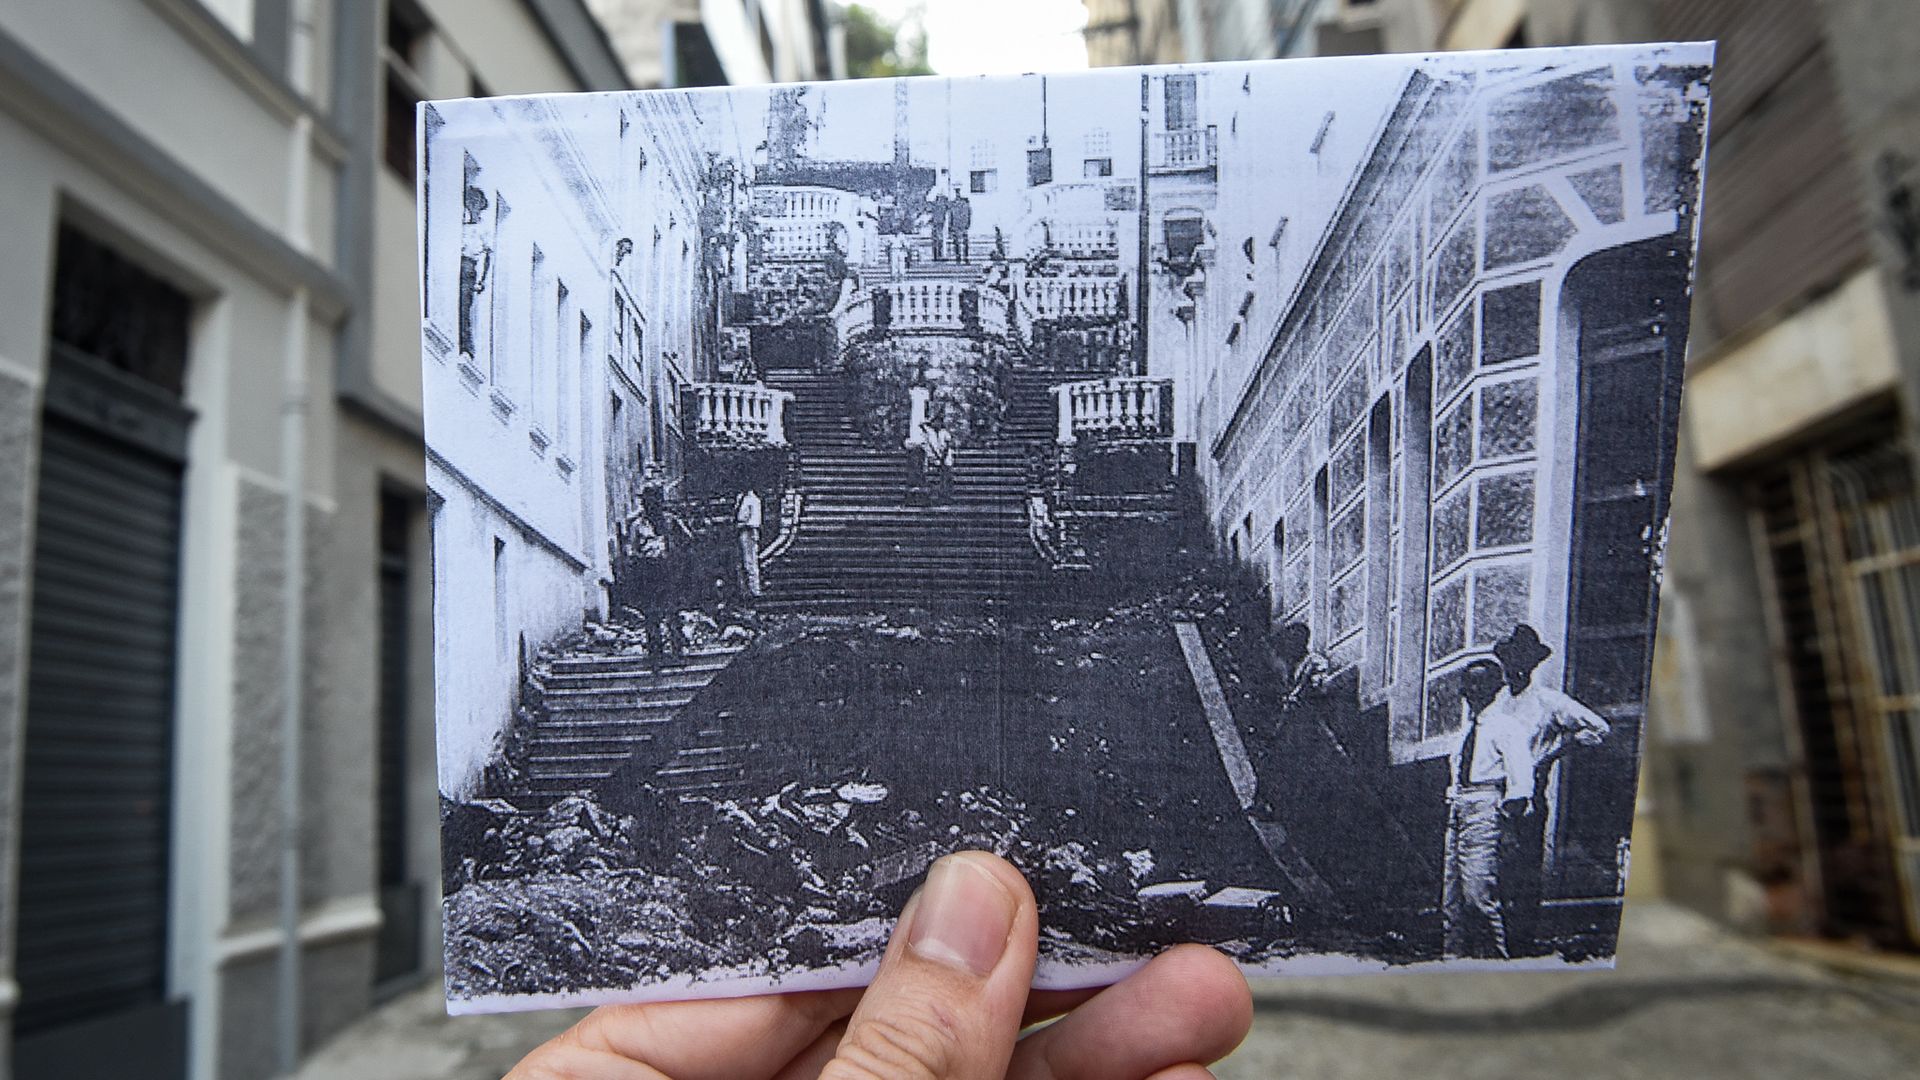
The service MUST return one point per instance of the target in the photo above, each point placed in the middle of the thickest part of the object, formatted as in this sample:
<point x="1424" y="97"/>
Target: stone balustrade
<point x="1187" y="150"/>
<point x="1085" y="239"/>
<point x="799" y="222"/>
<point x="923" y="307"/>
<point x="739" y="415"/>
<point x="1121" y="407"/>
<point x="1071" y="298"/>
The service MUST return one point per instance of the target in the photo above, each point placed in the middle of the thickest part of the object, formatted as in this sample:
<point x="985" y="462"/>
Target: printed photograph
<point x="1235" y="493"/>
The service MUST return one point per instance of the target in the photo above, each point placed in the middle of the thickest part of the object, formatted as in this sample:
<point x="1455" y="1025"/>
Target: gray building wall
<point x="183" y="135"/>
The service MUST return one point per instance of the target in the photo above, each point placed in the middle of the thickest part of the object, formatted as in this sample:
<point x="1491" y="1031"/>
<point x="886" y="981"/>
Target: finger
<point x="1187" y="1071"/>
<point x="679" y="1039"/>
<point x="946" y="1003"/>
<point x="806" y="1065"/>
<point x="1190" y="1004"/>
<point x="1047" y="1004"/>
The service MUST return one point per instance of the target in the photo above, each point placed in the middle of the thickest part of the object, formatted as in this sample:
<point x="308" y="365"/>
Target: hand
<point x="1518" y="807"/>
<point x="948" y="1003"/>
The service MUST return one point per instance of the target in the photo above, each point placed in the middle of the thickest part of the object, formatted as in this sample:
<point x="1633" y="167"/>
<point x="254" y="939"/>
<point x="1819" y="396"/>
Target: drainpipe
<point x="293" y="447"/>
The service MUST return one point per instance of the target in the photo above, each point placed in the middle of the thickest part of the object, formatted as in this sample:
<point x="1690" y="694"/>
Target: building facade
<point x="725" y="42"/>
<point x="558" y="348"/>
<point x="1784" y="780"/>
<point x="214" y="376"/>
<point x="1191" y="31"/>
<point x="1389" y="448"/>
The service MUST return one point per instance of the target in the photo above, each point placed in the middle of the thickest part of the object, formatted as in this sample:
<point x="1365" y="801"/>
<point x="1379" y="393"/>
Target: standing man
<point x="937" y="211"/>
<point x="476" y="264"/>
<point x="746" y="526"/>
<point x="959" y="220"/>
<point x="1490" y="766"/>
<point x="1553" y="724"/>
<point x="938" y="446"/>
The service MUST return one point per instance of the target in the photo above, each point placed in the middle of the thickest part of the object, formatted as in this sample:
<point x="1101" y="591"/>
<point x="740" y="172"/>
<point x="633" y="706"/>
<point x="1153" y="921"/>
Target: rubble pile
<point x="806" y="876"/>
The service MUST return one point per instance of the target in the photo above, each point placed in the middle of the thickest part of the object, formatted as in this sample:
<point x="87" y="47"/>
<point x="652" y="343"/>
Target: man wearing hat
<point x="1553" y="724"/>
<point x="1491" y="764"/>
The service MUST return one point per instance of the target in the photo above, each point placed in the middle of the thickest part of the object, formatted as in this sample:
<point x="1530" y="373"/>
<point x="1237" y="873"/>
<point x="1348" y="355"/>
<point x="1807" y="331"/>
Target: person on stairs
<point x="658" y="543"/>
<point x="746" y="527"/>
<point x="937" y="444"/>
<point x="959" y="221"/>
<point x="937" y="209"/>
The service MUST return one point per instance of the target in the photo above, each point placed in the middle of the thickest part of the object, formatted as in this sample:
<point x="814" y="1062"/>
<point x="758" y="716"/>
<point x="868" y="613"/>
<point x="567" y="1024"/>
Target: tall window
<point x="407" y="32"/>
<point x="1039" y="166"/>
<point x="1182" y="103"/>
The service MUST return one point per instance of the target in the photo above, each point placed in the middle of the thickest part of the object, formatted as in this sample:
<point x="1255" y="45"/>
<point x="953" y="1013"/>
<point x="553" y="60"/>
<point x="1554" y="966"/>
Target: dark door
<point x="398" y="954"/>
<point x="97" y="775"/>
<point x="1632" y="307"/>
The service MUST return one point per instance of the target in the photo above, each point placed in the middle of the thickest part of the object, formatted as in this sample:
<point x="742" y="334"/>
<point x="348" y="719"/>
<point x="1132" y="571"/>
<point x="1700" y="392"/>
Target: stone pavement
<point x="1689" y="1000"/>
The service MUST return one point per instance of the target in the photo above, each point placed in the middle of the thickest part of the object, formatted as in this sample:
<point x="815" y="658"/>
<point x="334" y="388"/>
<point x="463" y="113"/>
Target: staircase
<point x="861" y="547"/>
<point x="601" y="709"/>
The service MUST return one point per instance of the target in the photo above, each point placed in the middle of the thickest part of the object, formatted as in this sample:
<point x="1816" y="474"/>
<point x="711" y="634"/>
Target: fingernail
<point x="964" y="918"/>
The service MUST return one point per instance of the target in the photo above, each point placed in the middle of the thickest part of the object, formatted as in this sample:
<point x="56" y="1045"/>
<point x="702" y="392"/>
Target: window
<point x="1095" y="168"/>
<point x="407" y="31"/>
<point x="1182" y="103"/>
<point x="983" y="181"/>
<point x="1184" y="235"/>
<point x="1039" y="166"/>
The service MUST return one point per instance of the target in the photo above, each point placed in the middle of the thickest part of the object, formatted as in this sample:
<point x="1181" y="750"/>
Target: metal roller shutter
<point x="92" y="939"/>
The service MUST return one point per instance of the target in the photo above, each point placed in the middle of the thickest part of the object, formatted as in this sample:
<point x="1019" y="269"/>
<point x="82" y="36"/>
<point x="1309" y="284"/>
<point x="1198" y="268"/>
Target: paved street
<point x="1688" y="1001"/>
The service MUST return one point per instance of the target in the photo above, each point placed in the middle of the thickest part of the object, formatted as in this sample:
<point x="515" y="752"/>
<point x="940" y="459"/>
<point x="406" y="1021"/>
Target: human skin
<point x="949" y="1002"/>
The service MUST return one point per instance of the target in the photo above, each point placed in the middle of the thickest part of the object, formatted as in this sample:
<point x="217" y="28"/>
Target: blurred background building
<point x="214" y="300"/>
<point x="1782" y="784"/>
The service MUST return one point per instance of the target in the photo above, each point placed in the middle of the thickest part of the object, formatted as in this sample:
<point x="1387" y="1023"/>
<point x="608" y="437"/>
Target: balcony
<point x="799" y="222"/>
<point x="738" y="416"/>
<point x="922" y="307"/>
<point x="1119" y="408"/>
<point x="1189" y="150"/>
<point x="1087" y="298"/>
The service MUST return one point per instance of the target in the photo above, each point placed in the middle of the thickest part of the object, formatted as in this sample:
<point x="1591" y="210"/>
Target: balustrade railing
<point x="1070" y="298"/>
<point x="920" y="307"/>
<point x="1121" y="407"/>
<point x="739" y="415"/>
<point x="1193" y="148"/>
<point x="800" y="222"/>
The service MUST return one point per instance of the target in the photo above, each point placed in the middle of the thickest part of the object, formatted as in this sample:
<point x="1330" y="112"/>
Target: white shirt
<point x="746" y="512"/>
<point x="1520" y="732"/>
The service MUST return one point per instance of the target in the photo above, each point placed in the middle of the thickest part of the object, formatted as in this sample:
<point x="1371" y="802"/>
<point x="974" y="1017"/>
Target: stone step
<point x="711" y="658"/>
<point x="632" y="703"/>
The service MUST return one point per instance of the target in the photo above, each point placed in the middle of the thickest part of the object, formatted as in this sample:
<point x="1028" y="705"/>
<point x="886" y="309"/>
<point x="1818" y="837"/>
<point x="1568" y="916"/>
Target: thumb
<point x="946" y="1003"/>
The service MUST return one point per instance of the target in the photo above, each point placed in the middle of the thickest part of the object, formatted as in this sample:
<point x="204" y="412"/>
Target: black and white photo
<point x="1236" y="493"/>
